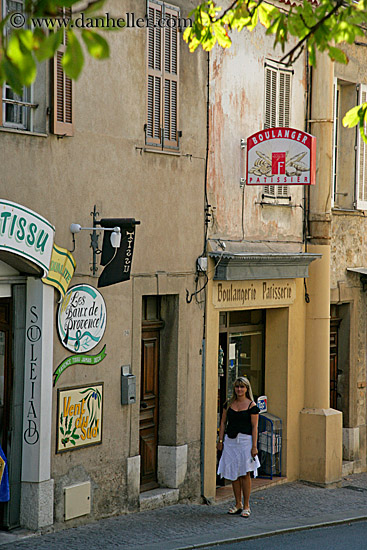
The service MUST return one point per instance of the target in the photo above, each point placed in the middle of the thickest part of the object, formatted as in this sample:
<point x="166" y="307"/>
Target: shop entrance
<point x="5" y="384"/>
<point x="149" y="393"/>
<point x="241" y="353"/>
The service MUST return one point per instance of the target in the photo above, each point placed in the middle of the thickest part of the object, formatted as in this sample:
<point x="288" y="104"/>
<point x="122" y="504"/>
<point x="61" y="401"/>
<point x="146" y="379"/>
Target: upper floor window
<point x="349" y="173"/>
<point x="161" y="129"/>
<point x="277" y="106"/>
<point x="28" y="111"/>
<point x="16" y="109"/>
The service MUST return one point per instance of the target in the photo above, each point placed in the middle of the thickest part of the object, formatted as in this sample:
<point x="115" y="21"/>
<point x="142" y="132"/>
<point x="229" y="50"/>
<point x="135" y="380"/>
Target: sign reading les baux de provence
<point x="281" y="156"/>
<point x="81" y="318"/>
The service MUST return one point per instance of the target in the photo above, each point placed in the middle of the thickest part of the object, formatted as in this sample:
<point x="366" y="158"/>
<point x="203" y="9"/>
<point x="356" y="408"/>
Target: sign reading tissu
<point x="25" y="233"/>
<point x="81" y="318"/>
<point x="281" y="156"/>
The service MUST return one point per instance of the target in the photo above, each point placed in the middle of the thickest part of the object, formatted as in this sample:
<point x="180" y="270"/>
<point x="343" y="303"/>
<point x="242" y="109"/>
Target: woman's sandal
<point x="234" y="511"/>
<point x="246" y="513"/>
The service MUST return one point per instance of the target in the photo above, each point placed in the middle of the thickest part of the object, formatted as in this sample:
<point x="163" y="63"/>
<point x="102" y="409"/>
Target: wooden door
<point x="334" y="326"/>
<point x="149" y="408"/>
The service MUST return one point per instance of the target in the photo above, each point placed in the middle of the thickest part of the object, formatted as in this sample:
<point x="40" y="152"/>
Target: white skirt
<point x="236" y="459"/>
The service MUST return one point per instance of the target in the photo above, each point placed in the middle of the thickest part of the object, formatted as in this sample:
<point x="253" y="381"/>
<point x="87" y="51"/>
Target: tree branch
<point x="312" y="31"/>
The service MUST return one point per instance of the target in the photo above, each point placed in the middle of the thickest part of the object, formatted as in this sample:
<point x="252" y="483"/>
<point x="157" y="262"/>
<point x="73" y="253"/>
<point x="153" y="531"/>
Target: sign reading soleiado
<point x="25" y="233"/>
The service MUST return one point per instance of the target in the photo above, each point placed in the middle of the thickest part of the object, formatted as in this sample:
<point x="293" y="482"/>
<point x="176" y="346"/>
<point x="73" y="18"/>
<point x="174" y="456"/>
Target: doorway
<point x="149" y="393"/>
<point x="241" y="353"/>
<point x="5" y="385"/>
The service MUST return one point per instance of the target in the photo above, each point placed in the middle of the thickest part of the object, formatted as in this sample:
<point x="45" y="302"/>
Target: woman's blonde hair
<point x="245" y="382"/>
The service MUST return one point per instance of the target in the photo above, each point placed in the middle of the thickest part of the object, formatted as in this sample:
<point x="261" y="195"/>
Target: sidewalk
<point x="288" y="506"/>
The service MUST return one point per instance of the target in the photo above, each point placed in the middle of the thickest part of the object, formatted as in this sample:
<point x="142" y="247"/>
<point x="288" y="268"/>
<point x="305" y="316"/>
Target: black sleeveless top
<point x="240" y="421"/>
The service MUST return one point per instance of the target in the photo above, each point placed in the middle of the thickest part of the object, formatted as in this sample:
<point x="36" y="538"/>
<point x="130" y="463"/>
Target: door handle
<point x="143" y="405"/>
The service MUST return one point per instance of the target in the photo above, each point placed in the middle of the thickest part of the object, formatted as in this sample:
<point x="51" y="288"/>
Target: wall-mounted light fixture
<point x="115" y="235"/>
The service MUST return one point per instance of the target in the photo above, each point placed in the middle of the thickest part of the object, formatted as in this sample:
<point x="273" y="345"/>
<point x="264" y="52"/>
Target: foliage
<point x="318" y="26"/>
<point x="36" y="34"/>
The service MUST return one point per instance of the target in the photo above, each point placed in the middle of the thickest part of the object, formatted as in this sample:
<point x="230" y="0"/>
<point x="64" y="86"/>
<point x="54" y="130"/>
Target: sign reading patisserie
<point x="281" y="156"/>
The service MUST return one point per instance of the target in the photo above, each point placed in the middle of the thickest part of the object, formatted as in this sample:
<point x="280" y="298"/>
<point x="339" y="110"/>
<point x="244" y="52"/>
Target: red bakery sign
<point x="281" y="156"/>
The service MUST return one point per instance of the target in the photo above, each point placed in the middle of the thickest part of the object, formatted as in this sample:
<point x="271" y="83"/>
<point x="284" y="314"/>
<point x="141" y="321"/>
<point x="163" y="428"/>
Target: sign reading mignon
<point x="281" y="156"/>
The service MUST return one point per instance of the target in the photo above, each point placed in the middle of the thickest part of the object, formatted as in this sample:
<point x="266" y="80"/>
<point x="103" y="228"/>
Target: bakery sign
<point x="281" y="156"/>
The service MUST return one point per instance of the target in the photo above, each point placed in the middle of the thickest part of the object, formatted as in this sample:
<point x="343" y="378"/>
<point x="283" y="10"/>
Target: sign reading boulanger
<point x="281" y="156"/>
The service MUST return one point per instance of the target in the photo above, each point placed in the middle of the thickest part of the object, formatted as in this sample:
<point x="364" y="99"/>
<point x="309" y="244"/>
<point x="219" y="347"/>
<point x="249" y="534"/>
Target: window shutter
<point x="334" y="170"/>
<point x="270" y="97"/>
<point x="277" y="112"/>
<point x="361" y="176"/>
<point x="171" y="60"/>
<point x="63" y="93"/>
<point x="1" y="100"/>
<point x="154" y="84"/>
<point x="284" y="98"/>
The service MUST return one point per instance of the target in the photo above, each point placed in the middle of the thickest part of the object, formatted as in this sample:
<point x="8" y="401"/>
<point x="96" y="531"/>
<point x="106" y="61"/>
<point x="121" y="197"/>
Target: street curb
<point x="273" y="533"/>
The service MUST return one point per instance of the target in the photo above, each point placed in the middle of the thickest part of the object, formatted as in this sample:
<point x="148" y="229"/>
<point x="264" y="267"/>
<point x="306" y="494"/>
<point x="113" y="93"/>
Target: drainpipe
<point x="206" y="223"/>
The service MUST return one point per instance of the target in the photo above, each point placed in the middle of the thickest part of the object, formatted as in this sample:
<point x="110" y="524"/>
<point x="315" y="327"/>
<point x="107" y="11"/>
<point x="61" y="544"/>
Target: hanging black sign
<point x="117" y="261"/>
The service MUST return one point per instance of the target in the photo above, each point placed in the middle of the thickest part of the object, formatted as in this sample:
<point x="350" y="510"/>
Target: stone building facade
<point x="348" y="261"/>
<point x="124" y="143"/>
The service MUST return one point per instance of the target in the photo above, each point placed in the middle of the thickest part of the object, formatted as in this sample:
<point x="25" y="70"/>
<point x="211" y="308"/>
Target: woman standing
<point x="239" y="457"/>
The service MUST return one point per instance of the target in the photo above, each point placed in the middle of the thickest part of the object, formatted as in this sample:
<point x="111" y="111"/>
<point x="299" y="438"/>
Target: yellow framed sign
<point x="79" y="417"/>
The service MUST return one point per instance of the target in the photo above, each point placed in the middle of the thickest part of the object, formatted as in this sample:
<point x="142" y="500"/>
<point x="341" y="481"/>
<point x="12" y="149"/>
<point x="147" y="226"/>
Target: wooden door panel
<point x="148" y="455"/>
<point x="149" y="408"/>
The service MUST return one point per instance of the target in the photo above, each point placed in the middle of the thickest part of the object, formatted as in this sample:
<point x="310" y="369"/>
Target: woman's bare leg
<point x="246" y="490"/>
<point x="236" y="486"/>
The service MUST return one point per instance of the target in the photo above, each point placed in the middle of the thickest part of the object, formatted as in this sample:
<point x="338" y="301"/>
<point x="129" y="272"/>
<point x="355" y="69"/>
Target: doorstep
<point x="158" y="498"/>
<point x="258" y="484"/>
<point x="7" y="537"/>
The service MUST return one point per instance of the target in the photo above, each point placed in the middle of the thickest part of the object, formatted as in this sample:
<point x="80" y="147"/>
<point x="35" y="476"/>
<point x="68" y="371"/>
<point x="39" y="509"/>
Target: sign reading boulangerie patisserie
<point x="237" y="294"/>
<point x="81" y="319"/>
<point x="281" y="156"/>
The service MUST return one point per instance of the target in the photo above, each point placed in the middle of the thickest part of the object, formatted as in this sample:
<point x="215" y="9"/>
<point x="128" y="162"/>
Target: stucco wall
<point x="104" y="165"/>
<point x="237" y="78"/>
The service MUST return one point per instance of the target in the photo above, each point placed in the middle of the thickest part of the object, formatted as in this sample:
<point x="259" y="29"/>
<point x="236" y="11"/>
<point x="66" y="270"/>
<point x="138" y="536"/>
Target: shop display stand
<point x="270" y="445"/>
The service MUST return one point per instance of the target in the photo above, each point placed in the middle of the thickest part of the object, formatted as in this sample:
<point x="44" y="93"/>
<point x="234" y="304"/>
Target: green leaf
<point x="47" y="47"/>
<point x="73" y="59"/>
<point x="97" y="46"/>
<point x="222" y="36"/>
<point x="338" y="55"/>
<point x="75" y="436"/>
<point x="12" y="76"/>
<point x="21" y="58"/>
<point x="351" y="118"/>
<point x="72" y="441"/>
<point x="97" y="5"/>
<point x="62" y="430"/>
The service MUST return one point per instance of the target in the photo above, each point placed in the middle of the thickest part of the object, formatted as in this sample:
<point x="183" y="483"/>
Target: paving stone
<point x="279" y="507"/>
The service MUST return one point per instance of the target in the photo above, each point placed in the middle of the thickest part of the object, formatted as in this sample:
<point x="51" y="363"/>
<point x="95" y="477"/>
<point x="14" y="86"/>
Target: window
<point x="26" y="111"/>
<point x="349" y="184"/>
<point x="277" y="111"/>
<point x="63" y="91"/>
<point x="16" y="109"/>
<point x="162" y="82"/>
<point x="361" y="161"/>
